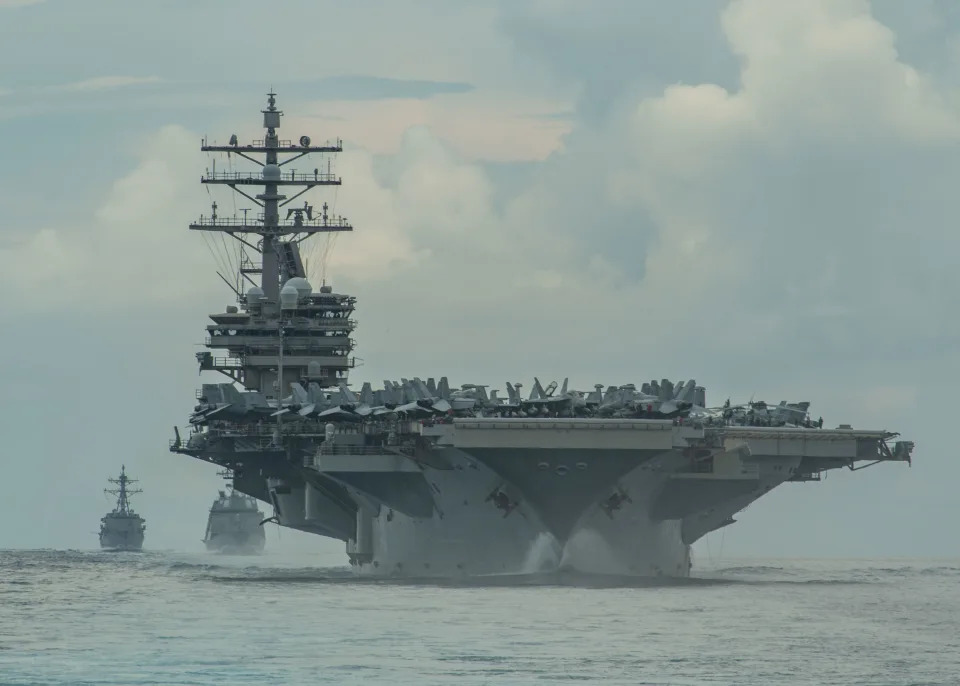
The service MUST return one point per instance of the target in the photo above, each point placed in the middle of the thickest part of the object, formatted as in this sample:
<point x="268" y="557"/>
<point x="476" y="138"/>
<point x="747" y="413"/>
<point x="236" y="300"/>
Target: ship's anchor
<point x="615" y="502"/>
<point x="502" y="501"/>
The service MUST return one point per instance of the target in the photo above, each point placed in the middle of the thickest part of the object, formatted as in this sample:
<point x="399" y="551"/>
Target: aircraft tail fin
<point x="666" y="390"/>
<point x="443" y="389"/>
<point x="300" y="395"/>
<point x="366" y="394"/>
<point x="687" y="392"/>
<point x="423" y="393"/>
<point x="229" y="393"/>
<point x="390" y="395"/>
<point x="348" y="397"/>
<point x="537" y="391"/>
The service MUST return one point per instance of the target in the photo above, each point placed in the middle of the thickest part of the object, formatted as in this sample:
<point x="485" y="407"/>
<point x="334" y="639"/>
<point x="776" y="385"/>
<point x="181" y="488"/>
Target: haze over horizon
<point x="756" y="195"/>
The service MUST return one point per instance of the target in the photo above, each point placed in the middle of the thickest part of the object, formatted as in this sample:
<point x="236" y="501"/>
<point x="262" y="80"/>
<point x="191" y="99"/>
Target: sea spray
<point x="543" y="556"/>
<point x="588" y="552"/>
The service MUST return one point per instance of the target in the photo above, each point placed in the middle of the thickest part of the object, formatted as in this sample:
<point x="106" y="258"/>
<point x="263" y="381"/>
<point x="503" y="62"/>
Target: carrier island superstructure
<point x="422" y="478"/>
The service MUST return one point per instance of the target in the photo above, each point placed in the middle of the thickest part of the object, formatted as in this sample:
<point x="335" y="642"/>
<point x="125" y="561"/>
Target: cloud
<point x="748" y="233"/>
<point x="133" y="250"/>
<point x="778" y="216"/>
<point x="101" y="83"/>
<point x="479" y="126"/>
<point x="360" y="87"/>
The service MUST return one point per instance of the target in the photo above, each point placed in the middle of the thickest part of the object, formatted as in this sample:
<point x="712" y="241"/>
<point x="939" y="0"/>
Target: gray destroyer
<point x="422" y="478"/>
<point x="233" y="526"/>
<point x="123" y="528"/>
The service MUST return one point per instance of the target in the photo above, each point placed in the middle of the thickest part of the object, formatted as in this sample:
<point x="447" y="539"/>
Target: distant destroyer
<point x="123" y="528"/>
<point x="421" y="478"/>
<point x="233" y="526"/>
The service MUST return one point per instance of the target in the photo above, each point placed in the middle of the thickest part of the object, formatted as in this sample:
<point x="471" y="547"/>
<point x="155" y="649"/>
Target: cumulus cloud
<point x="753" y="232"/>
<point x="135" y="248"/>
<point x="774" y="216"/>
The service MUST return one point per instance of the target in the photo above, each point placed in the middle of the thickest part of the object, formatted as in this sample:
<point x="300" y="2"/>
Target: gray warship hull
<point x="234" y="526"/>
<point x="123" y="528"/>
<point x="235" y="545"/>
<point x="121" y="533"/>
<point x="228" y="535"/>
<point x="508" y="496"/>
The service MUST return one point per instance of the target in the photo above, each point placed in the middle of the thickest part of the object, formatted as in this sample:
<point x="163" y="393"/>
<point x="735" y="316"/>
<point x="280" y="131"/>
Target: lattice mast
<point x="279" y="340"/>
<point x="267" y="225"/>
<point x="122" y="493"/>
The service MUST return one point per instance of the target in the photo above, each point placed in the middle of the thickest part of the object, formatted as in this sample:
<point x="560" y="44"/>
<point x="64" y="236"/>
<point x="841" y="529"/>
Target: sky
<point x="758" y="195"/>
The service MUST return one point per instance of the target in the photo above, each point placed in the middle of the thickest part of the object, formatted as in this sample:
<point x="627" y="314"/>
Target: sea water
<point x="74" y="617"/>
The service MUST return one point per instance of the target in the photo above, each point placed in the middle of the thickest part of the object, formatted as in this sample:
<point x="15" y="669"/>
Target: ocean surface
<point x="74" y="617"/>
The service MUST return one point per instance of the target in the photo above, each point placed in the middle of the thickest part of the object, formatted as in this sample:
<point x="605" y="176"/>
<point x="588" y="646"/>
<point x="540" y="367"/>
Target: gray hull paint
<point x="475" y="537"/>
<point x="468" y="534"/>
<point x="236" y="532"/>
<point x="239" y="544"/>
<point x="121" y="533"/>
<point x="627" y="512"/>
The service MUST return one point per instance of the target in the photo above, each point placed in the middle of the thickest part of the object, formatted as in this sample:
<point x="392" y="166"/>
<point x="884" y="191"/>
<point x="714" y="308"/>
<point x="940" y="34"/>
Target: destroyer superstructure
<point x="423" y="478"/>
<point x="234" y="525"/>
<point x="123" y="528"/>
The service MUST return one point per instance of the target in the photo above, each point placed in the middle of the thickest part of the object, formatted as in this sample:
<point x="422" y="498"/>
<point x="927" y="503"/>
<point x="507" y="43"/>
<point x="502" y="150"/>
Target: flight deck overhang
<point x="576" y="434"/>
<point x="831" y="447"/>
<point x="386" y="477"/>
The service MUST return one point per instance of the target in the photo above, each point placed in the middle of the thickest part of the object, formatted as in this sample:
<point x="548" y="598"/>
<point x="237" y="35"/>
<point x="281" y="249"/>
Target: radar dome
<point x="254" y="295"/>
<point x="289" y="297"/>
<point x="304" y="289"/>
<point x="271" y="172"/>
<point x="326" y="289"/>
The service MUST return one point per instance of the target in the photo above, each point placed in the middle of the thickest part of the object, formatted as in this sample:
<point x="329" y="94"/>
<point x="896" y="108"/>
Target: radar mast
<point x="287" y="332"/>
<point x="276" y="154"/>
<point x="122" y="493"/>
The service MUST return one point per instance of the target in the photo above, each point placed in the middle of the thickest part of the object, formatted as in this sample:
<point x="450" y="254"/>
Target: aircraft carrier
<point x="424" y="478"/>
